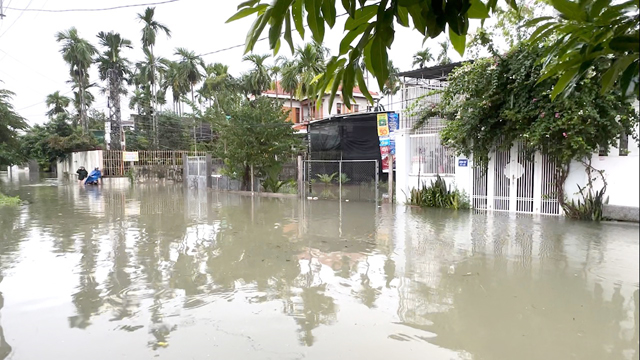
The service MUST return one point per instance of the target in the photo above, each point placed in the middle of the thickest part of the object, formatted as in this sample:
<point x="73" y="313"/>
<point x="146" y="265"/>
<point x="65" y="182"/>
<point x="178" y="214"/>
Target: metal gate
<point x="516" y="181"/>
<point x="196" y="174"/>
<point x="346" y="180"/>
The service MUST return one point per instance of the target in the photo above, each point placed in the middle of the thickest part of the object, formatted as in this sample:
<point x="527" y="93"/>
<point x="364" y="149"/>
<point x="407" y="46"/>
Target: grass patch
<point x="9" y="200"/>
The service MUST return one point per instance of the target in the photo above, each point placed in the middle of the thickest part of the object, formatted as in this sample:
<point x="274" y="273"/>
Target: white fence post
<point x="403" y="161"/>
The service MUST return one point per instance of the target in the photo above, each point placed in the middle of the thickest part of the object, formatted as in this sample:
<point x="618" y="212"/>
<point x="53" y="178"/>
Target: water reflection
<point x="158" y="268"/>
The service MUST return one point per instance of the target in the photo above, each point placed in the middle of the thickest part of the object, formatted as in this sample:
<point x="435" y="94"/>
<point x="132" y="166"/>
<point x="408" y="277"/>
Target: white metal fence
<point x="355" y="180"/>
<point x="429" y="156"/>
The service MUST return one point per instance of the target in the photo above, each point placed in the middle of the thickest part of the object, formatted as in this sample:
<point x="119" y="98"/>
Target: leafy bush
<point x="589" y="208"/>
<point x="343" y="179"/>
<point x="326" y="178"/>
<point x="9" y="200"/>
<point x="439" y="195"/>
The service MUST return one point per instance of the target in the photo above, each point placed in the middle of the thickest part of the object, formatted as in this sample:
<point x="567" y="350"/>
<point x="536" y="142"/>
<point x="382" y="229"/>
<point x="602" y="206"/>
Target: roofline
<point x="339" y="116"/>
<point x="433" y="72"/>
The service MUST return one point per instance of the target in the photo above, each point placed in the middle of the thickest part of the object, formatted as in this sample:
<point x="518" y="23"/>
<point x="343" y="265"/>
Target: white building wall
<point x="88" y="159"/>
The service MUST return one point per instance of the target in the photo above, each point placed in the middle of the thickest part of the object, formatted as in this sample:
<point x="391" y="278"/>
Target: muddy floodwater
<point x="160" y="272"/>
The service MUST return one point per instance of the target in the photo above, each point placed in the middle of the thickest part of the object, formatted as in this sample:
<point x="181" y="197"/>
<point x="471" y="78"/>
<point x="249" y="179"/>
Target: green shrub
<point x="9" y="200"/>
<point x="437" y="194"/>
<point x="326" y="178"/>
<point x="589" y="208"/>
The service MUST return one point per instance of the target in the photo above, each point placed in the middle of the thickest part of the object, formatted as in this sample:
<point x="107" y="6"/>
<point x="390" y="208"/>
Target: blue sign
<point x="393" y="121"/>
<point x="384" y="142"/>
<point x="463" y="162"/>
<point x="392" y="145"/>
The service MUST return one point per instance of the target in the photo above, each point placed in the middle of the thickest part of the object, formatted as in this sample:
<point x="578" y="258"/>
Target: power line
<point x="86" y="10"/>
<point x="18" y="18"/>
<point x="261" y="39"/>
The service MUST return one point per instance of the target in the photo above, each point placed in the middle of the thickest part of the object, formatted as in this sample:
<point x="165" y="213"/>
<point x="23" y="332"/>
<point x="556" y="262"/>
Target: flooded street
<point x="157" y="271"/>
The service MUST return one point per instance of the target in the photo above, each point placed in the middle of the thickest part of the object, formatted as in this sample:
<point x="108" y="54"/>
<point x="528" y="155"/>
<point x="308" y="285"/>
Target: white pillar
<point x="537" y="182"/>
<point x="464" y="173"/>
<point x="403" y="164"/>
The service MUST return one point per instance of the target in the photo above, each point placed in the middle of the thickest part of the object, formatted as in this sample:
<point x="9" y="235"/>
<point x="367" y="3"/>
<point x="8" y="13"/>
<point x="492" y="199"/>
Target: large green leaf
<point x="345" y="44"/>
<point x="458" y="41"/>
<point x="625" y="43"/>
<point x="611" y="76"/>
<point x="564" y="80"/>
<point x="329" y="12"/>
<point x="314" y="19"/>
<point x="246" y="12"/>
<point x="537" y="20"/>
<point x="287" y="31"/>
<point x="248" y="3"/>
<point x="379" y="59"/>
<point x="256" y="29"/>
<point x="297" y="13"/>
<point x="350" y="7"/>
<point x="402" y="16"/>
<point x="569" y="9"/>
<point x="478" y="10"/>
<point x="362" y="84"/>
<point x="361" y="16"/>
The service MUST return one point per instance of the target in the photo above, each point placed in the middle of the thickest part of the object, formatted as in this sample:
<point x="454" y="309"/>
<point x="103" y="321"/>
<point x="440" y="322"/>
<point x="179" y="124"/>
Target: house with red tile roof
<point x="304" y="110"/>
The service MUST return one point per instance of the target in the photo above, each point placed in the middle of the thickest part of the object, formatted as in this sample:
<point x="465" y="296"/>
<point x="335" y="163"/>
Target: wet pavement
<point x="157" y="271"/>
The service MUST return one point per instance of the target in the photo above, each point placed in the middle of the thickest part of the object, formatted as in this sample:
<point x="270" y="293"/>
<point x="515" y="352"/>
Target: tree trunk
<point x="154" y="118"/>
<point x="116" y="121"/>
<point x="246" y="178"/>
<point x="83" y="115"/>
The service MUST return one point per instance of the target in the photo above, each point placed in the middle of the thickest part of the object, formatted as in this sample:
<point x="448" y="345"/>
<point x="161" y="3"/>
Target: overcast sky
<point x="32" y="66"/>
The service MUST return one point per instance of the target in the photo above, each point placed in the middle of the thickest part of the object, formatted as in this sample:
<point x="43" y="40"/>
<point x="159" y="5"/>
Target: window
<point x="338" y="108"/>
<point x="355" y="108"/>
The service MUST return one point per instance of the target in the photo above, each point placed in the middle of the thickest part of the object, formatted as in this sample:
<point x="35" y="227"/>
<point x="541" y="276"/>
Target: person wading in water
<point x="82" y="174"/>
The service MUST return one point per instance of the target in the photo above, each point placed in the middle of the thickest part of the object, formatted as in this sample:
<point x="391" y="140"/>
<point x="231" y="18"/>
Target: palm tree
<point x="150" y="30"/>
<point x="173" y="79"/>
<point x="290" y="81"/>
<point x="57" y="103"/>
<point x="115" y="69"/>
<point x="189" y="68"/>
<point x="78" y="53"/>
<point x="392" y="85"/>
<point x="443" y="55"/>
<point x="310" y="62"/>
<point x="258" y="80"/>
<point x="421" y="58"/>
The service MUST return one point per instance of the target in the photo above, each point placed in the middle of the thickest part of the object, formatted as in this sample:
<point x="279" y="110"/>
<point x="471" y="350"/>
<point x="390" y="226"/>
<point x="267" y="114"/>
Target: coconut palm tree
<point x="115" y="70"/>
<point x="189" y="68"/>
<point x="290" y="80"/>
<point x="173" y="79"/>
<point x="258" y="80"/>
<point x="150" y="31"/>
<point x="421" y="58"/>
<point x="443" y="55"/>
<point x="310" y="62"/>
<point x="392" y="85"/>
<point x="57" y="103"/>
<point x="78" y="53"/>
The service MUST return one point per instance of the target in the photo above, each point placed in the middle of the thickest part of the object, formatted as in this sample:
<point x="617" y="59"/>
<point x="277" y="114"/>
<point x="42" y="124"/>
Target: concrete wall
<point x="88" y="159"/>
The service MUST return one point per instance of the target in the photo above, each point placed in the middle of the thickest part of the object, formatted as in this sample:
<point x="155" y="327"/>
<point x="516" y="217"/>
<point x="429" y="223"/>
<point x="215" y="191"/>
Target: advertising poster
<point x="383" y="126"/>
<point x="388" y="123"/>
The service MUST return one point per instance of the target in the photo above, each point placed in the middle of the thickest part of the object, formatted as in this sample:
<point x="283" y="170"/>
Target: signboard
<point x="383" y="126"/>
<point x="129" y="156"/>
<point x="463" y="162"/>
<point x="388" y="124"/>
<point x="393" y="121"/>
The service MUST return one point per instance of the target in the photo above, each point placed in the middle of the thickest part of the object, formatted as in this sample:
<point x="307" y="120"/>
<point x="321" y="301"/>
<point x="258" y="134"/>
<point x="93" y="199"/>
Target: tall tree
<point x="10" y="123"/>
<point x="368" y="31"/>
<point x="57" y="104"/>
<point x="591" y="34"/>
<point x="392" y="85"/>
<point x="258" y="79"/>
<point x="421" y="58"/>
<point x="150" y="30"/>
<point x="290" y="81"/>
<point x="78" y="53"/>
<point x="443" y="55"/>
<point x="190" y="68"/>
<point x="310" y="61"/>
<point x="115" y="70"/>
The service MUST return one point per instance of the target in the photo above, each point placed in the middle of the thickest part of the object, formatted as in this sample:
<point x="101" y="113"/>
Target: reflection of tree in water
<point x="88" y="299"/>
<point x="119" y="279"/>
<point x="367" y="294"/>
<point x="505" y="307"/>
